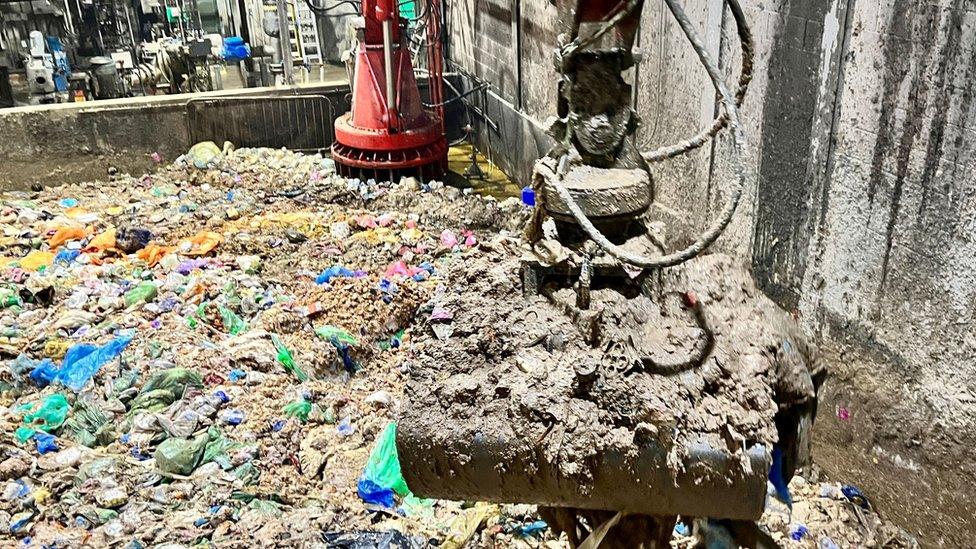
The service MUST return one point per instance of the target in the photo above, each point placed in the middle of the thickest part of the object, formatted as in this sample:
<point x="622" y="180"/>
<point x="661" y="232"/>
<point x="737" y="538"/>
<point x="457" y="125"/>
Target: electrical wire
<point x="458" y="97"/>
<point x="325" y="11"/>
<point x="738" y="143"/>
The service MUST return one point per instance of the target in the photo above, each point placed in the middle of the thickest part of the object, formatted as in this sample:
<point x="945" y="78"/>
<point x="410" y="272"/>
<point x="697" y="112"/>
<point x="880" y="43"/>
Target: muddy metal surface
<point x="516" y="399"/>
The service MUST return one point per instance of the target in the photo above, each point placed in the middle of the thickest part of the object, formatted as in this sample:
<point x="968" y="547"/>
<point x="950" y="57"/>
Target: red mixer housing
<point x="390" y="132"/>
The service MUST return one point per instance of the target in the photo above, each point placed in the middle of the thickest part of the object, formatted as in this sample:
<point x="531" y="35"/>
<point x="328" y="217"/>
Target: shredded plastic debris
<point x="214" y="354"/>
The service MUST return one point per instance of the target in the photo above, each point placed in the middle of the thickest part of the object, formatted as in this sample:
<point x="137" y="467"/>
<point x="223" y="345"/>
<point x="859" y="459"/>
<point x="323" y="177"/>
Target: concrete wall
<point x="54" y="144"/>
<point x="858" y="213"/>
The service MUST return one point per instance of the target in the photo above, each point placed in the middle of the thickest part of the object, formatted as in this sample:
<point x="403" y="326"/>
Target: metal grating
<point x="300" y="122"/>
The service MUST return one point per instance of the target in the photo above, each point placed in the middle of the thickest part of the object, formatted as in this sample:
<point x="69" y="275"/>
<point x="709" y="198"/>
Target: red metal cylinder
<point x="379" y="137"/>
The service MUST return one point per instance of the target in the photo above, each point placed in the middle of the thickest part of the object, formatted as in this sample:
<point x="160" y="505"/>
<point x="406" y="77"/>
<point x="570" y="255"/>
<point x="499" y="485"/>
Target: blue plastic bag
<point x="335" y="271"/>
<point x="44" y="373"/>
<point x="45" y="442"/>
<point x="80" y="363"/>
<point x="373" y="493"/>
<point x="66" y="256"/>
<point x="235" y="49"/>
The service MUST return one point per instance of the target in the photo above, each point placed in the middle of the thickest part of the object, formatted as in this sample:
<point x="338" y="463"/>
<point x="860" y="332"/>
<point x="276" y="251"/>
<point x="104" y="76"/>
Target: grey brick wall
<point x="482" y="44"/>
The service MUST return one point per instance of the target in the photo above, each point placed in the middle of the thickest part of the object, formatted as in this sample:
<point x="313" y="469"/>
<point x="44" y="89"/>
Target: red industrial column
<point x="389" y="132"/>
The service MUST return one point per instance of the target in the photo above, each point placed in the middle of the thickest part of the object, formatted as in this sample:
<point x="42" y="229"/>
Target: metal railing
<point x="297" y="122"/>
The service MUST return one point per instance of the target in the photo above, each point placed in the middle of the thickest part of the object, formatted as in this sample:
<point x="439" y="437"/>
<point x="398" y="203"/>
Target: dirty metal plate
<point x="599" y="192"/>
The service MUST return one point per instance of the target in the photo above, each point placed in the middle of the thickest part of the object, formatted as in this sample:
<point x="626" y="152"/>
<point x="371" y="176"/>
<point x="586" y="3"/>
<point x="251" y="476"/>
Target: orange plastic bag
<point x="152" y="253"/>
<point x="203" y="242"/>
<point x="64" y="234"/>
<point x="104" y="241"/>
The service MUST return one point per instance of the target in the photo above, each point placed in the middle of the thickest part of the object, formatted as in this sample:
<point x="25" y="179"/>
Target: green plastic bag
<point x="164" y="388"/>
<point x="181" y="456"/>
<point x="299" y="409"/>
<point x="287" y="360"/>
<point x="145" y="291"/>
<point x="383" y="466"/>
<point x="48" y="418"/>
<point x="88" y="425"/>
<point x="232" y="323"/>
<point x="247" y="473"/>
<point x="336" y="335"/>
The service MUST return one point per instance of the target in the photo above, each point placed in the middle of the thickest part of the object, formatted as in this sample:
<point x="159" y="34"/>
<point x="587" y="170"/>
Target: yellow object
<point x="465" y="525"/>
<point x="36" y="259"/>
<point x="412" y="235"/>
<point x="56" y="348"/>
<point x="75" y="212"/>
<point x="379" y="235"/>
<point x="203" y="242"/>
<point x="41" y="495"/>
<point x="104" y="241"/>
<point x="495" y="183"/>
<point x="152" y="253"/>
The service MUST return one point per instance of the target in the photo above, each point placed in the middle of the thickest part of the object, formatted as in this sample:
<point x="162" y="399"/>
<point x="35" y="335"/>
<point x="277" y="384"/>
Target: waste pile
<point x="214" y="353"/>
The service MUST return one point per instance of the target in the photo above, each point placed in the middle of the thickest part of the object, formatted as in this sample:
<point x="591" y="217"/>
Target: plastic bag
<point x="232" y="323"/>
<point x="164" y="388"/>
<point x="204" y="154"/>
<point x="374" y="494"/>
<point x="336" y="336"/>
<point x="65" y="234"/>
<point x="343" y="342"/>
<point x="235" y="49"/>
<point x="372" y="540"/>
<point x="104" y="241"/>
<point x="9" y="298"/>
<point x="83" y="361"/>
<point x="66" y="256"/>
<point x="88" y="425"/>
<point x="383" y="465"/>
<point x="300" y="409"/>
<point x="132" y="239"/>
<point x="153" y="253"/>
<point x="181" y="456"/>
<point x="44" y="373"/>
<point x="203" y="242"/>
<point x="336" y="271"/>
<point x="36" y="259"/>
<point x="48" y="417"/>
<point x="287" y="360"/>
<point x="144" y="292"/>
<point x="45" y="443"/>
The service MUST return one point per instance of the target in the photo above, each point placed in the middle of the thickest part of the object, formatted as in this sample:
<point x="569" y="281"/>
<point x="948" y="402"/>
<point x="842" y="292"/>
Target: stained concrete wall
<point x="858" y="212"/>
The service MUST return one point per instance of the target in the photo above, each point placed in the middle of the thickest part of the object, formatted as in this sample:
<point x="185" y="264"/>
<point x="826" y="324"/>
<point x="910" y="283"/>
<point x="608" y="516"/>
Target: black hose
<point x="458" y="97"/>
<point x="325" y="11"/>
